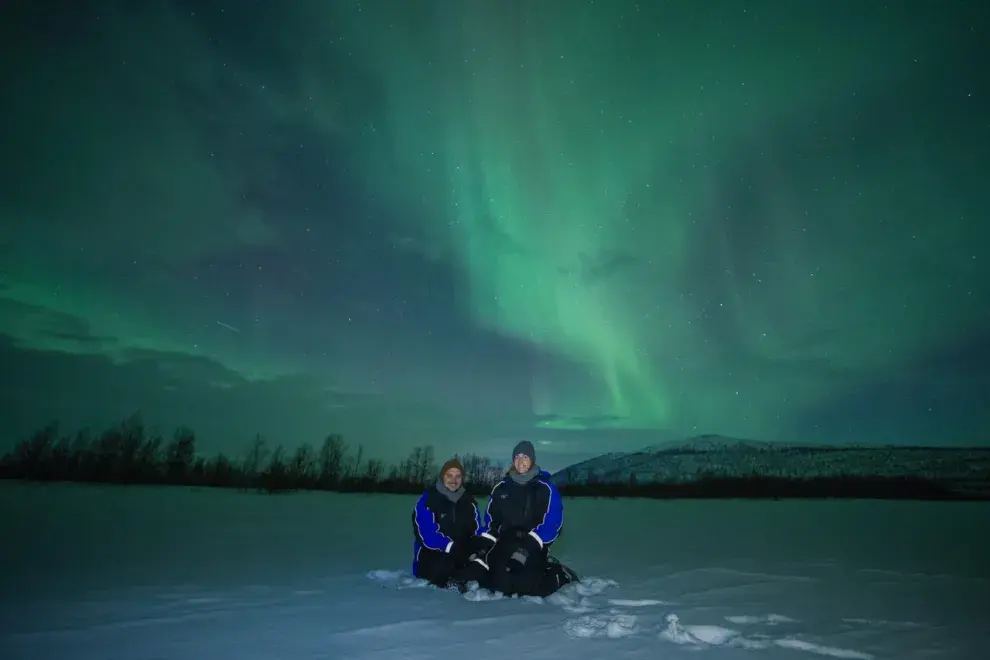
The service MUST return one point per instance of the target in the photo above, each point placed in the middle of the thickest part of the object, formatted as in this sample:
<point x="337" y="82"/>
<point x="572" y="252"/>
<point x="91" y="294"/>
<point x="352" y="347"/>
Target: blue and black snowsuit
<point x="524" y="517"/>
<point x="445" y="525"/>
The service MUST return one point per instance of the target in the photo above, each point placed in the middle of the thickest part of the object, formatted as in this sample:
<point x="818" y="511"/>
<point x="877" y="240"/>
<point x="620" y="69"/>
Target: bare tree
<point x="477" y="469"/>
<point x="331" y="460"/>
<point x="354" y="468"/>
<point x="373" y="470"/>
<point x="304" y="464"/>
<point x="255" y="456"/>
<point x="180" y="453"/>
<point x="427" y="465"/>
<point x="412" y="465"/>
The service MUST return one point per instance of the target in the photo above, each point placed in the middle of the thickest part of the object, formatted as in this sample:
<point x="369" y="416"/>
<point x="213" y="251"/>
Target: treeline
<point x="130" y="453"/>
<point x="765" y="487"/>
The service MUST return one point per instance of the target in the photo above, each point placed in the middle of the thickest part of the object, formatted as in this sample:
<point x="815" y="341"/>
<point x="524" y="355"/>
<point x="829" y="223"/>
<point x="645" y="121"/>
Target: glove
<point x="517" y="560"/>
<point x="481" y="545"/>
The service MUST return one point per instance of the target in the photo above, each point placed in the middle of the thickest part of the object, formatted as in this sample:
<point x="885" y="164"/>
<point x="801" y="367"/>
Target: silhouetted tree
<point x="303" y="468"/>
<point x="179" y="454"/>
<point x="373" y="470"/>
<point x="331" y="460"/>
<point x="149" y="458"/>
<point x="479" y="470"/>
<point x="426" y="467"/>
<point x="255" y="457"/>
<point x="83" y="462"/>
<point x="220" y="472"/>
<point x="355" y="466"/>
<point x="411" y="466"/>
<point x="275" y="477"/>
<point x="35" y="454"/>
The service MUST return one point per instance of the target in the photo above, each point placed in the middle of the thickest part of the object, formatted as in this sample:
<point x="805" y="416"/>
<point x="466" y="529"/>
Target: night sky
<point x="595" y="225"/>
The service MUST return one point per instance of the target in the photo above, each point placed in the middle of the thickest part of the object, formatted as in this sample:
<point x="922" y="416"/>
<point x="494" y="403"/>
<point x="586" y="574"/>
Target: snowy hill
<point x="710" y="443"/>
<point x="717" y="455"/>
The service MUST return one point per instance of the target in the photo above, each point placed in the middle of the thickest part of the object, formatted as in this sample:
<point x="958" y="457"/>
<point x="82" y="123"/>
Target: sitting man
<point x="523" y="518"/>
<point x="446" y="520"/>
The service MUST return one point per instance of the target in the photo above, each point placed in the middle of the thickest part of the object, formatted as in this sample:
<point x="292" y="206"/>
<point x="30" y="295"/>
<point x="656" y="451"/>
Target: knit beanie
<point x="452" y="463"/>
<point x="524" y="447"/>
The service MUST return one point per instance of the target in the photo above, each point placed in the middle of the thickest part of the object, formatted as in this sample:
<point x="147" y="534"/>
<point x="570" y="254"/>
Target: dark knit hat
<point x="452" y="463"/>
<point x="524" y="447"/>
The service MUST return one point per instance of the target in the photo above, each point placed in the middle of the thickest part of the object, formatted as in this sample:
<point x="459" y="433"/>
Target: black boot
<point x="566" y="574"/>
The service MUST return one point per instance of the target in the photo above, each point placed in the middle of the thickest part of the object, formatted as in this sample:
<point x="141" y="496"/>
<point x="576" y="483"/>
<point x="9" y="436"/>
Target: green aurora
<point x="659" y="217"/>
<point x="574" y="162"/>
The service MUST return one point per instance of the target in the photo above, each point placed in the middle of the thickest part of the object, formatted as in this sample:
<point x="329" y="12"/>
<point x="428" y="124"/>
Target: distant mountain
<point x="707" y="443"/>
<point x="713" y="455"/>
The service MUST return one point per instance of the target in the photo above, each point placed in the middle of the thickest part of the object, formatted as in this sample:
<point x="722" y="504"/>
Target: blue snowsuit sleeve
<point x="428" y="528"/>
<point x="553" y="518"/>
<point x="477" y="518"/>
<point x="485" y="523"/>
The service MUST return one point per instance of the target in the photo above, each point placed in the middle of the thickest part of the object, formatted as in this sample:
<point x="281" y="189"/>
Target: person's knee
<point x="502" y="580"/>
<point x="527" y="583"/>
<point x="474" y="571"/>
<point x="435" y="567"/>
<point x="540" y="581"/>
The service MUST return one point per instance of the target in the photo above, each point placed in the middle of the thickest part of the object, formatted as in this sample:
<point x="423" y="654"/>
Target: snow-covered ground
<point x="159" y="573"/>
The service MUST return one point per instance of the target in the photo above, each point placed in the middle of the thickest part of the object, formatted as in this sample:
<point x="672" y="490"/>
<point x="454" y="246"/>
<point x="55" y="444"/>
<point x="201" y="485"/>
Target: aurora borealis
<point x="597" y="225"/>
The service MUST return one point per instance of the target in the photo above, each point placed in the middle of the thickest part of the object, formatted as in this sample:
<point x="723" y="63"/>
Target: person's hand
<point x="517" y="561"/>
<point x="482" y="545"/>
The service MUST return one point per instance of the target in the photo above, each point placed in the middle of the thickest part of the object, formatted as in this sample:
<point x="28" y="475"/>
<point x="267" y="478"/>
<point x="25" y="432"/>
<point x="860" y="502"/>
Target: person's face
<point x="452" y="479"/>
<point x="522" y="463"/>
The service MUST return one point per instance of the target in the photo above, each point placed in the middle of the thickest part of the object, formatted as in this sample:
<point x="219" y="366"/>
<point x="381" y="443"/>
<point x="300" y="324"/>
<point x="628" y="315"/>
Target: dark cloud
<point x="93" y="391"/>
<point x="32" y="325"/>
